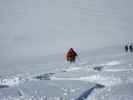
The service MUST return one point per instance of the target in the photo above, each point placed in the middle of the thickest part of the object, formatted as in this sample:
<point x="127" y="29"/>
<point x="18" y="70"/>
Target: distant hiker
<point x="131" y="48"/>
<point x="126" y="48"/>
<point x="71" y="55"/>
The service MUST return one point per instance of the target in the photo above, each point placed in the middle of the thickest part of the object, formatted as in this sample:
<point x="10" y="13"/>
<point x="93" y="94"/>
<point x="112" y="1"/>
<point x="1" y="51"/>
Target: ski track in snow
<point x="96" y="79"/>
<point x="85" y="94"/>
<point x="9" y="81"/>
<point x="50" y="76"/>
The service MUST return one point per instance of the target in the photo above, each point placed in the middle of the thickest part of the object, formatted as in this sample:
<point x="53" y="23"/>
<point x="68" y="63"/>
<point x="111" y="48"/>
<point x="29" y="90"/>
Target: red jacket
<point x="71" y="53"/>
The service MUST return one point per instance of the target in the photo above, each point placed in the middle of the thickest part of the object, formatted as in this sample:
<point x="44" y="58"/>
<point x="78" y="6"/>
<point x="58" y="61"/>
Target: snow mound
<point x="10" y="81"/>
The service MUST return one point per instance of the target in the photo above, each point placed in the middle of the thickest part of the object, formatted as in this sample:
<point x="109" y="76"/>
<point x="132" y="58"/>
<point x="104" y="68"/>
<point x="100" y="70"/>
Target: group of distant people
<point x="129" y="48"/>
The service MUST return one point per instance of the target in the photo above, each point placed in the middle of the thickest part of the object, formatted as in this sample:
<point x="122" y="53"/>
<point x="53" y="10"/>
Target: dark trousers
<point x="71" y="59"/>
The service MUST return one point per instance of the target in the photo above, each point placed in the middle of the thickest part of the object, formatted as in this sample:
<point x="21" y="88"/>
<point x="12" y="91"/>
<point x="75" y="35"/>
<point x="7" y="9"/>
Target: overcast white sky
<point x="42" y="27"/>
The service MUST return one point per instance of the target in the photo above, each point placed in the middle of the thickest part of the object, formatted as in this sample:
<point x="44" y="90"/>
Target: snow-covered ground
<point x="97" y="75"/>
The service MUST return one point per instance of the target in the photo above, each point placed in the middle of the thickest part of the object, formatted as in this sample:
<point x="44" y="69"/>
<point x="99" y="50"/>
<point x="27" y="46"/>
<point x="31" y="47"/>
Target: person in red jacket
<point x="71" y="55"/>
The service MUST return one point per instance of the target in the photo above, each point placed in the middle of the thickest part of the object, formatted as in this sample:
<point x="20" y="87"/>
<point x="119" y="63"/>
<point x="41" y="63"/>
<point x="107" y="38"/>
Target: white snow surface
<point x="109" y="77"/>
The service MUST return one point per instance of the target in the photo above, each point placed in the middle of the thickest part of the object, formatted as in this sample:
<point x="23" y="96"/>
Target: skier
<point x="71" y="55"/>
<point x="131" y="48"/>
<point x="126" y="48"/>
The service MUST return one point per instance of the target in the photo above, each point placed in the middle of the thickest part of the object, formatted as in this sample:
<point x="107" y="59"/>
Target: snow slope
<point x="109" y="77"/>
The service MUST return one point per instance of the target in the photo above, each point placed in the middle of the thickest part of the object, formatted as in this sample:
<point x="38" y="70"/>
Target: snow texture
<point x="107" y="78"/>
